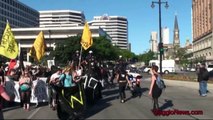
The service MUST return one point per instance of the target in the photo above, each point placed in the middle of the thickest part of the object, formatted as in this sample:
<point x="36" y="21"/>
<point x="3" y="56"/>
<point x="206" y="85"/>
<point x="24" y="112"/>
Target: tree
<point x="65" y="48"/>
<point x="146" y="57"/>
<point x="102" y="49"/>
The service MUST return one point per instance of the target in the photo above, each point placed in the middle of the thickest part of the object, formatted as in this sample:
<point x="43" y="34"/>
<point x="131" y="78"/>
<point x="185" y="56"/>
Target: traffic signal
<point x="160" y="48"/>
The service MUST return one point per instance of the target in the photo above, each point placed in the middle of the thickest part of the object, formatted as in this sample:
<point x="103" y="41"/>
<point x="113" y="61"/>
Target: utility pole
<point x="160" y="44"/>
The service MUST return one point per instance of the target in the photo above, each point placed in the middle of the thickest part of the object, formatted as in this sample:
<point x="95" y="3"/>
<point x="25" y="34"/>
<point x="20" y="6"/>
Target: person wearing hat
<point x="203" y="77"/>
<point x="89" y="56"/>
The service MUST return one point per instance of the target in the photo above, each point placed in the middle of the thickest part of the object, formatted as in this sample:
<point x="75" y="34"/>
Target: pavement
<point x="187" y="84"/>
<point x="179" y="95"/>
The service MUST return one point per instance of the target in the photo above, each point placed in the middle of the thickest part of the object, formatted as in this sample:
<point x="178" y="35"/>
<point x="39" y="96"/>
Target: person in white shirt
<point x="54" y="79"/>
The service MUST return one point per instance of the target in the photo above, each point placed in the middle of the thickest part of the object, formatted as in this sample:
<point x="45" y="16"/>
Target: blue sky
<point x="141" y="17"/>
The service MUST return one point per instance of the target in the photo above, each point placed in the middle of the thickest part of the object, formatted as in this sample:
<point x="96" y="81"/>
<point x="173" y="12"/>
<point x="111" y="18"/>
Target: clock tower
<point x="176" y="38"/>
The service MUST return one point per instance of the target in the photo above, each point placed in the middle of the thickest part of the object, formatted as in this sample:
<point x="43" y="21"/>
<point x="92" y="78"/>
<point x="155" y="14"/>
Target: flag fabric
<point x="38" y="49"/>
<point x="8" y="46"/>
<point x="11" y="65"/>
<point x="86" y="39"/>
<point x="21" y="60"/>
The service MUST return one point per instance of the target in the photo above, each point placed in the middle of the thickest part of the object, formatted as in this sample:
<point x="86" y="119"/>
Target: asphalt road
<point x="179" y="96"/>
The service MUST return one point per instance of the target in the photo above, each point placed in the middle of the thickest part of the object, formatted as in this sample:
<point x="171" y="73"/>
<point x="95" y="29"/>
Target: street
<point x="182" y="96"/>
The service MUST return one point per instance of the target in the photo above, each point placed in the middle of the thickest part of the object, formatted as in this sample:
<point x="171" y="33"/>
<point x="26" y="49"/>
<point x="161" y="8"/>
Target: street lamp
<point x="160" y="45"/>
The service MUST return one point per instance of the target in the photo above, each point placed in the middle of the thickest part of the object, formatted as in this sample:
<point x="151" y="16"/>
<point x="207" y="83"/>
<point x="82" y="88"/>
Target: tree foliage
<point x="146" y="57"/>
<point x="102" y="49"/>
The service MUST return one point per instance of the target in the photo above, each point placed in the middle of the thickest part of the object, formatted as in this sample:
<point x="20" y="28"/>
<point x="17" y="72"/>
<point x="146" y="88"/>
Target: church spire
<point x="176" y="39"/>
<point x="176" y="23"/>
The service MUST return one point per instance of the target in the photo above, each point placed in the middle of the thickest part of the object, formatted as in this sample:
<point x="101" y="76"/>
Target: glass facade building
<point x="18" y="15"/>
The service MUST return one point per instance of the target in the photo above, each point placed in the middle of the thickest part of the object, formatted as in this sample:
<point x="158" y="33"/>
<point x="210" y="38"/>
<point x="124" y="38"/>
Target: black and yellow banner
<point x="9" y="46"/>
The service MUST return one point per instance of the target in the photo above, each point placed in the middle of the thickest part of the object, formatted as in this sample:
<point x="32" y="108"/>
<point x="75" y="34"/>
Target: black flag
<point x="21" y="59"/>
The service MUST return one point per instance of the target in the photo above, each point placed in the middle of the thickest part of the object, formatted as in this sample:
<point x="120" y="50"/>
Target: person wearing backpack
<point x="69" y="82"/>
<point x="203" y="77"/>
<point x="154" y="90"/>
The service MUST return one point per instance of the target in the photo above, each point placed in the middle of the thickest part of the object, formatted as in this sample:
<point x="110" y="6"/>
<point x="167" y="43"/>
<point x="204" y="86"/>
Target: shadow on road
<point x="16" y="105"/>
<point x="167" y="104"/>
<point x="138" y="93"/>
<point x="110" y="92"/>
<point x="109" y="95"/>
<point x="95" y="109"/>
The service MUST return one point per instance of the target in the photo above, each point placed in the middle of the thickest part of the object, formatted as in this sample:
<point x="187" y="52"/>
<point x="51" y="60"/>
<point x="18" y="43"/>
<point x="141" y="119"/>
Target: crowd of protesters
<point x="69" y="77"/>
<point x="54" y="75"/>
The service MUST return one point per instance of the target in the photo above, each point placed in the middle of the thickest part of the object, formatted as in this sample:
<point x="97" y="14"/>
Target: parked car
<point x="210" y="68"/>
<point x="192" y="69"/>
<point x="147" y="69"/>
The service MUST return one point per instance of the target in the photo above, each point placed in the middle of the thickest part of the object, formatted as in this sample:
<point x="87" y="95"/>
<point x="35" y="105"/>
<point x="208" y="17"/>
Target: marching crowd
<point x="69" y="77"/>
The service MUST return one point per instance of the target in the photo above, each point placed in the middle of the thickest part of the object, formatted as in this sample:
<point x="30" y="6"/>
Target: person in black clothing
<point x="203" y="77"/>
<point x="90" y="55"/>
<point x="122" y="79"/>
<point x="75" y="59"/>
<point x="2" y="73"/>
<point x="154" y="90"/>
<point x="93" y="70"/>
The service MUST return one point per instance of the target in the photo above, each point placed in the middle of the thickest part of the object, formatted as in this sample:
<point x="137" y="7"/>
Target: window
<point x="210" y="66"/>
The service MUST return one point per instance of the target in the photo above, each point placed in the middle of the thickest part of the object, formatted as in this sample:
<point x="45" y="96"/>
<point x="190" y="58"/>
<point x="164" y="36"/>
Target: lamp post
<point x="160" y="45"/>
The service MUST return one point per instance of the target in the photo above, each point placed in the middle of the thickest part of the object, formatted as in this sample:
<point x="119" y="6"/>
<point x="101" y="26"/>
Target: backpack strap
<point x="63" y="79"/>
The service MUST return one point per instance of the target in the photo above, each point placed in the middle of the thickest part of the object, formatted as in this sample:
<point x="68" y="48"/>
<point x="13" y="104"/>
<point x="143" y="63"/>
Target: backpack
<point x="160" y="83"/>
<point x="25" y="87"/>
<point x="205" y="75"/>
<point x="61" y="82"/>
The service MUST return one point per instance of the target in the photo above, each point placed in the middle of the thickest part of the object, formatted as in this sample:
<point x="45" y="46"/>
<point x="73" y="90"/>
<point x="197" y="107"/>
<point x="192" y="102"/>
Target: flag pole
<point x="79" y="64"/>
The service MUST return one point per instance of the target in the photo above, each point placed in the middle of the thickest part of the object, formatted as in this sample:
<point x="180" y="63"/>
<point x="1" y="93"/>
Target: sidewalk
<point x="192" y="85"/>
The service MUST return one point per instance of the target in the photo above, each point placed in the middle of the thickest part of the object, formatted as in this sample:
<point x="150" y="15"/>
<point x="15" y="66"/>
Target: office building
<point x="17" y="14"/>
<point x="154" y="42"/>
<point x="52" y="35"/>
<point x="116" y="27"/>
<point x="202" y="17"/>
<point x="61" y="18"/>
<point x="165" y="35"/>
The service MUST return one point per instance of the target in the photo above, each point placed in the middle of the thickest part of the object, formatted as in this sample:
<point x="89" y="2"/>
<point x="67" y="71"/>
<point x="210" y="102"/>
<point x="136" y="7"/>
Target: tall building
<point x="52" y="35"/>
<point x="202" y="17"/>
<point x="187" y="42"/>
<point x="17" y="14"/>
<point x="154" y="42"/>
<point x="61" y="18"/>
<point x="176" y="37"/>
<point x="116" y="27"/>
<point x="165" y="35"/>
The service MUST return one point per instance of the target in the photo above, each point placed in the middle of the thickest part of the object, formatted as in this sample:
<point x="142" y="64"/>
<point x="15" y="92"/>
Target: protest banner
<point x="39" y="91"/>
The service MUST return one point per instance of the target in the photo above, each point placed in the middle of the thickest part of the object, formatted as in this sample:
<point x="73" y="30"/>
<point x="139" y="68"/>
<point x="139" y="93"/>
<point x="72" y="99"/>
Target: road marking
<point x="33" y="113"/>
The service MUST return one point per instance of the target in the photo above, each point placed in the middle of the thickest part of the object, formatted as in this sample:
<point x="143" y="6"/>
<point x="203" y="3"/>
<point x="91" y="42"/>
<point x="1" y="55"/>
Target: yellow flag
<point x="38" y="49"/>
<point x="9" y="46"/>
<point x="86" y="39"/>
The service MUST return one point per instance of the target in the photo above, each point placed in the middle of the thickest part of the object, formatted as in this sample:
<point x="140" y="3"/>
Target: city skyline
<point x="139" y="30"/>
